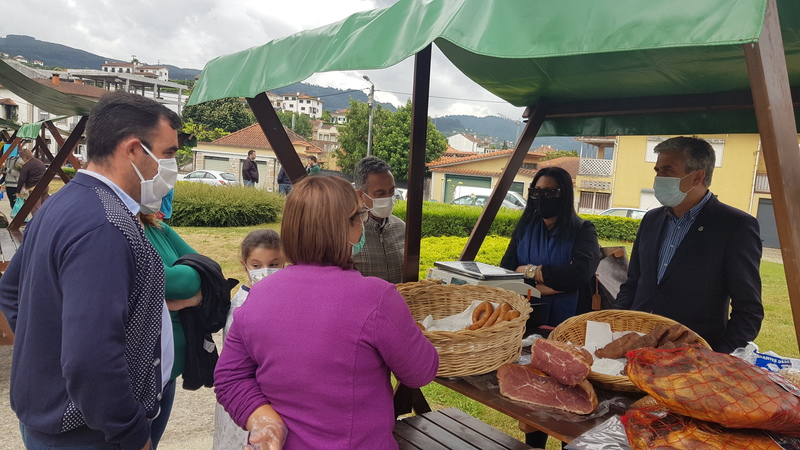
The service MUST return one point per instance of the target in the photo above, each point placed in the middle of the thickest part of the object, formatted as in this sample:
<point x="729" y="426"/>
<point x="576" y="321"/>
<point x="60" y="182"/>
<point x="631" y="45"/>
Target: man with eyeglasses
<point x="696" y="260"/>
<point x="382" y="255"/>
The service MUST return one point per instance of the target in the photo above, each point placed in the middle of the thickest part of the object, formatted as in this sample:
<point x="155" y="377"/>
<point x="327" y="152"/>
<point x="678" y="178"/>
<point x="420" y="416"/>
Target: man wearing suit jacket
<point x="696" y="260"/>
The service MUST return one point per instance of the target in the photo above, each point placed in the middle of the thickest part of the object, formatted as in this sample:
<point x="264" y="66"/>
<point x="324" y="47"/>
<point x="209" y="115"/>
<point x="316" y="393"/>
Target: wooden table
<point x="563" y="428"/>
<point x="454" y="429"/>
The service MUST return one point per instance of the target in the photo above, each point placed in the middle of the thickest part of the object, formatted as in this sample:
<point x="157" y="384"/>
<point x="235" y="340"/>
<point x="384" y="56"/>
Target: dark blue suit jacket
<point x="712" y="285"/>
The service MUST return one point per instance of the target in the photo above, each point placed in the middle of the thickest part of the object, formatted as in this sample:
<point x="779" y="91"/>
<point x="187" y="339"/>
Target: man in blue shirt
<point x="696" y="260"/>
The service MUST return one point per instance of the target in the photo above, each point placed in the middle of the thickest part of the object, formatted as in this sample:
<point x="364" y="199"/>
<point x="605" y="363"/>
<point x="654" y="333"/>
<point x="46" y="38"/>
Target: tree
<point x="302" y="123"/>
<point x="558" y="154"/>
<point x="391" y="138"/>
<point x="184" y="154"/>
<point x="228" y="114"/>
<point x="326" y="116"/>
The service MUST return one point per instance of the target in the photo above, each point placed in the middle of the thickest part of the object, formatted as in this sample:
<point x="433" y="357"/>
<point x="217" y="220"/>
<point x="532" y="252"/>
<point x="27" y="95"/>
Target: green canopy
<point x="525" y="51"/>
<point x="46" y="98"/>
<point x="31" y="130"/>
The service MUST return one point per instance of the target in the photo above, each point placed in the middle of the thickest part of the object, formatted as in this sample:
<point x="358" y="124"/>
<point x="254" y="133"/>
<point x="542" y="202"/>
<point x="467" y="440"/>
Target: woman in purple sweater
<point x="315" y="343"/>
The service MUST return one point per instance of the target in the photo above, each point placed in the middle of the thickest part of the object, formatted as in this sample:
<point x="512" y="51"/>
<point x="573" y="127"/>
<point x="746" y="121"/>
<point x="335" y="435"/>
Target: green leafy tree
<point x="391" y="136"/>
<point x="326" y="116"/>
<point x="353" y="135"/>
<point x="558" y="154"/>
<point x="184" y="154"/>
<point x="227" y="114"/>
<point x="302" y="123"/>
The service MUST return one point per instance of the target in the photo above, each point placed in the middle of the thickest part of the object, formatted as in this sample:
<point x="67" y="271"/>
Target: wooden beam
<point x="719" y="101"/>
<point x="14" y="144"/>
<point x="5" y="137"/>
<point x="769" y="81"/>
<point x="416" y="165"/>
<point x="60" y="140"/>
<point x="44" y="184"/>
<point x="277" y="137"/>
<point x="43" y="145"/>
<point x="481" y="228"/>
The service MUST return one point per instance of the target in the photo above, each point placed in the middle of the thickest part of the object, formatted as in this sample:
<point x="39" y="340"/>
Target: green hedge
<point x="203" y="205"/>
<point x="440" y="219"/>
<point x="68" y="171"/>
<point x="614" y="228"/>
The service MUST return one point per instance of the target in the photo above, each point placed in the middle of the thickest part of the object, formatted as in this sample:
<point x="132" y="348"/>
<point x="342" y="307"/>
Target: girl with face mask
<point x="558" y="254"/>
<point x="260" y="256"/>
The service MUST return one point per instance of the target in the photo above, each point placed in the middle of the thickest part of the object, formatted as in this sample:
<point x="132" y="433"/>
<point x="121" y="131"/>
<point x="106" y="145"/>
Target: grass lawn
<point x="777" y="332"/>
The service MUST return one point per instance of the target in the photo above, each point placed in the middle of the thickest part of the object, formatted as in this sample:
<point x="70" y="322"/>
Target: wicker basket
<point x="463" y="353"/>
<point x="574" y="330"/>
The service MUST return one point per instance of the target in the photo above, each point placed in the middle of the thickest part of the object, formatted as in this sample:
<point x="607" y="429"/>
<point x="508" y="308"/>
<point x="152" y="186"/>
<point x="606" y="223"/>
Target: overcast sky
<point x="188" y="34"/>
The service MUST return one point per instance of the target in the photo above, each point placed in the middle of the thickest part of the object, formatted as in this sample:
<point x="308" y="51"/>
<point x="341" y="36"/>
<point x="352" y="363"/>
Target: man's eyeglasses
<point x="537" y="193"/>
<point x="362" y="215"/>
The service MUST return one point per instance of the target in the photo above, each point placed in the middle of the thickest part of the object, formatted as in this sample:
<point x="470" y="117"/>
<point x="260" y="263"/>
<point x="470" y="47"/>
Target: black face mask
<point x="548" y="207"/>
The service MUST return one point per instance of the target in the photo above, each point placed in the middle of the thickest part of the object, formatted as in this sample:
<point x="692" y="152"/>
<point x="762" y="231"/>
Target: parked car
<point x="633" y="213"/>
<point x="212" y="177"/>
<point x="400" y="194"/>
<point x="482" y="200"/>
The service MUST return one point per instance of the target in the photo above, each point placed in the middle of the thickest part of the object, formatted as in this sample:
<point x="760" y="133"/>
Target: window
<point x="650" y="156"/>
<point x="43" y="116"/>
<point x="463" y="200"/>
<point x="228" y="176"/>
<point x="303" y="108"/>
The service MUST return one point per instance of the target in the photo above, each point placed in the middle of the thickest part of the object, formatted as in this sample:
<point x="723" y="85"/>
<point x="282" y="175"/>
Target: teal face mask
<point x="357" y="247"/>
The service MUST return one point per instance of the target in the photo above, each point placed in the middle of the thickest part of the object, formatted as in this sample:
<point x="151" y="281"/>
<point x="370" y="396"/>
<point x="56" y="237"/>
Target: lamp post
<point x="371" y="101"/>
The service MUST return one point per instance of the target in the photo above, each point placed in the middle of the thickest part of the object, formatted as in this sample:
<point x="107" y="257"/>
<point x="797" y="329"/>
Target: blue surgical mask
<point x="357" y="247"/>
<point x="668" y="190"/>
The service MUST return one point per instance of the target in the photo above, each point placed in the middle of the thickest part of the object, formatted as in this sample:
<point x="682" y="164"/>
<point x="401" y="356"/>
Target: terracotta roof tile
<point x="568" y="163"/>
<point x="495" y="154"/>
<point x="252" y="137"/>
<point x="82" y="90"/>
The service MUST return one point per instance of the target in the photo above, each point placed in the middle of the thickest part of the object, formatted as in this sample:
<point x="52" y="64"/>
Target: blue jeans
<point x="249" y="183"/>
<point x="159" y="424"/>
<point x="33" y="444"/>
<point x="285" y="188"/>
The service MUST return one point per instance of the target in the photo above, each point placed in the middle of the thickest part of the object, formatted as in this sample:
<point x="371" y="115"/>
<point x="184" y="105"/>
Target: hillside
<point x="58" y="55"/>
<point x="503" y="130"/>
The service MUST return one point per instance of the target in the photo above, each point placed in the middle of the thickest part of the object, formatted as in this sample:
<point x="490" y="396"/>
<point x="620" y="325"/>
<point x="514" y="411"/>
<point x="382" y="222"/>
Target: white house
<point x="302" y="104"/>
<point x="136" y="68"/>
<point x="466" y="143"/>
<point x="339" y="117"/>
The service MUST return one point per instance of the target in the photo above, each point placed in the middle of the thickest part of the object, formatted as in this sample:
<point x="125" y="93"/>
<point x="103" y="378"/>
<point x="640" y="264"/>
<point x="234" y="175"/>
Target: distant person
<point x="250" y="169"/>
<point x="11" y="171"/>
<point x="284" y="182"/>
<point x="696" y="260"/>
<point x="385" y="233"/>
<point x="84" y="293"/>
<point x="29" y="176"/>
<point x="312" y="168"/>
<point x="314" y="345"/>
<point x="260" y="256"/>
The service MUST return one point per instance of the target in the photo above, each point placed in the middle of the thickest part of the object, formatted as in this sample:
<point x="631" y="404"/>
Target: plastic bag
<point x="609" y="435"/>
<point x="17" y="206"/>
<point x="716" y="387"/>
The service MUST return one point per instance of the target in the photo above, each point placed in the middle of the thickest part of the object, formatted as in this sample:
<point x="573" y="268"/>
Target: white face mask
<point x="152" y="191"/>
<point x="257" y="275"/>
<point x="668" y="190"/>
<point x="381" y="207"/>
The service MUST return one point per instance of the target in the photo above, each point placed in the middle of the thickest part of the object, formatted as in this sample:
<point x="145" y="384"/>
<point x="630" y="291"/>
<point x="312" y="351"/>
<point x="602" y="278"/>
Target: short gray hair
<point x="698" y="154"/>
<point x="368" y="165"/>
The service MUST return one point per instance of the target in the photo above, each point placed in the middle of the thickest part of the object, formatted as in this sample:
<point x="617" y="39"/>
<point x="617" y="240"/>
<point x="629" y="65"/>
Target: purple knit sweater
<point x="319" y="343"/>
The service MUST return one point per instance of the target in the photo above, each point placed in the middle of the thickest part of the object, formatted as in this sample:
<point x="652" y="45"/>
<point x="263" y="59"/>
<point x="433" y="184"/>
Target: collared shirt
<point x="129" y="202"/>
<point x="676" y="230"/>
<point x="167" y="346"/>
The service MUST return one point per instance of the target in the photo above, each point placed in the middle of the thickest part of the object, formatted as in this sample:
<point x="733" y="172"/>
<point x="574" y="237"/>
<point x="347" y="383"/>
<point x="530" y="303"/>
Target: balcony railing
<point x="595" y="185"/>
<point x="595" y="167"/>
<point x="762" y="183"/>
